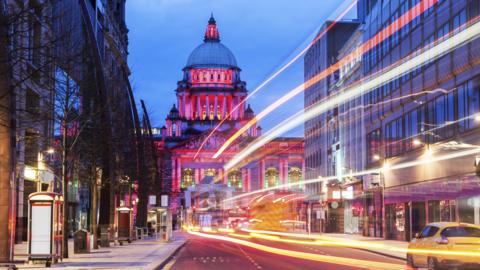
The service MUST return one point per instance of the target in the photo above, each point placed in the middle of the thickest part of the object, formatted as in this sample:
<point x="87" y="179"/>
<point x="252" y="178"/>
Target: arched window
<point x="210" y="172"/>
<point x="187" y="178"/>
<point x="271" y="177"/>
<point x="212" y="112"/>
<point x="219" y="115"/>
<point x="235" y="179"/>
<point x="174" y="129"/>
<point x="294" y="175"/>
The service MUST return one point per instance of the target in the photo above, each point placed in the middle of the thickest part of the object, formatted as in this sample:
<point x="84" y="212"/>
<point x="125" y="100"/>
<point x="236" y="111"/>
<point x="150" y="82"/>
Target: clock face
<point x="334" y="205"/>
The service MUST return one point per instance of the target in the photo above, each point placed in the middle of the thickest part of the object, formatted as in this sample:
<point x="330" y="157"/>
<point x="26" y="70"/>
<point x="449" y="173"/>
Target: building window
<point x="459" y="21"/>
<point x="394" y="137"/>
<point x="373" y="146"/>
<point x="271" y="177"/>
<point x="294" y="175"/>
<point x="187" y="178"/>
<point x="468" y="105"/>
<point x="235" y="179"/>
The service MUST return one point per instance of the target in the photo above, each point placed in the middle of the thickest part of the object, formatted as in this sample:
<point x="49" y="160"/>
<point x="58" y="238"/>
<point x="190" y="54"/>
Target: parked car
<point x="445" y="237"/>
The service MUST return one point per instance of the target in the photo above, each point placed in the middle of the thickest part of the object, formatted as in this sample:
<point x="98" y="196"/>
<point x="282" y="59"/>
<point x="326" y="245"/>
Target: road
<point x="201" y="253"/>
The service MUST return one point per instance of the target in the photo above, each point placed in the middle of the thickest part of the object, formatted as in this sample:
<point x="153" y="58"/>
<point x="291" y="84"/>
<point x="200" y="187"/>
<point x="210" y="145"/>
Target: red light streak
<point x="303" y="255"/>
<point x="406" y="18"/>
<point x="392" y="72"/>
<point x="278" y="72"/>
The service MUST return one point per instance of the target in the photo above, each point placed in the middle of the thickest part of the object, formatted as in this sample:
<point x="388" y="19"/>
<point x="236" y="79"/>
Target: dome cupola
<point x="211" y="53"/>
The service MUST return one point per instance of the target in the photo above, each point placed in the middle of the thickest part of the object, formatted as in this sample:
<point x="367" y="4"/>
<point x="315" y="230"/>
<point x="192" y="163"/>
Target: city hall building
<point x="210" y="94"/>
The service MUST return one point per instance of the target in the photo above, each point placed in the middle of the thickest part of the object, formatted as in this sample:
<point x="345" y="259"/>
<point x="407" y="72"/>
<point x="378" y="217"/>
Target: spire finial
<point x="211" y="34"/>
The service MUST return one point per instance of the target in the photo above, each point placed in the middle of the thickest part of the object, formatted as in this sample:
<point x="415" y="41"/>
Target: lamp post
<point x="41" y="166"/>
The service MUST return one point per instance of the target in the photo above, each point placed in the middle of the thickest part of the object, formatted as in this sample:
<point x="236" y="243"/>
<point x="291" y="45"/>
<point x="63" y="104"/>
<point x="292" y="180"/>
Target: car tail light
<point x="442" y="241"/>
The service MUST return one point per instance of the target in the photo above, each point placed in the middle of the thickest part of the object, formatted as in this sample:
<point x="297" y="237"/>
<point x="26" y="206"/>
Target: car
<point x="431" y="247"/>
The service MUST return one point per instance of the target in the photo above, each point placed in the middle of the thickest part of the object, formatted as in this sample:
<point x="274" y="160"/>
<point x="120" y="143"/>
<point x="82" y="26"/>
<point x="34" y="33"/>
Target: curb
<point x="170" y="257"/>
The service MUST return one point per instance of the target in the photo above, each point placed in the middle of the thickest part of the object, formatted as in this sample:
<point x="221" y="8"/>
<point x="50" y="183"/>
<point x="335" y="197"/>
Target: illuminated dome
<point x="211" y="53"/>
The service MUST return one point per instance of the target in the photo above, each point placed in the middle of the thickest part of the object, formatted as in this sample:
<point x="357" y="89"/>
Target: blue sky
<point x="263" y="35"/>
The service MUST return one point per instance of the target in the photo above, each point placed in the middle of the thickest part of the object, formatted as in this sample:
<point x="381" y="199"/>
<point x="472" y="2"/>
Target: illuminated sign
<point x="41" y="228"/>
<point x="30" y="173"/>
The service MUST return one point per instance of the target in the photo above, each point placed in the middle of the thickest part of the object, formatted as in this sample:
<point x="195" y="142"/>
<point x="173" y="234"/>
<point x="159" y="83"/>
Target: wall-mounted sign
<point x="152" y="200"/>
<point x="41" y="228"/>
<point x="334" y="205"/>
<point x="164" y="201"/>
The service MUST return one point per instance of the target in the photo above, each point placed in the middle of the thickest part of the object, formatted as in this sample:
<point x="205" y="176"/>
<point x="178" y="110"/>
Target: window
<point x="406" y="27"/>
<point x="459" y="21"/>
<point x="443" y="31"/>
<point x="412" y="126"/>
<point x="461" y="231"/>
<point x="468" y="105"/>
<point x="416" y="16"/>
<point x="235" y="179"/>
<point x="427" y="11"/>
<point x="294" y="175"/>
<point x="32" y="102"/>
<point x="373" y="146"/>
<point x="271" y="177"/>
<point x="187" y="178"/>
<point x="394" y="137"/>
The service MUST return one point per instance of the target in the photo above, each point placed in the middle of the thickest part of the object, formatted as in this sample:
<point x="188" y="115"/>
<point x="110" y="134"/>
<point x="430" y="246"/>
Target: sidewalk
<point x="390" y="248"/>
<point x="140" y="254"/>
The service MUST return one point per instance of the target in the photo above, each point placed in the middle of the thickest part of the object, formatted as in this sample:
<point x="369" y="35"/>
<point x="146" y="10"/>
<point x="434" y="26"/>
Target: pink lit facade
<point x="212" y="92"/>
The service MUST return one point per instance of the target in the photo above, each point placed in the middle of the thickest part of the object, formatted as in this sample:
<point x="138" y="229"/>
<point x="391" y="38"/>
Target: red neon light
<point x="205" y="76"/>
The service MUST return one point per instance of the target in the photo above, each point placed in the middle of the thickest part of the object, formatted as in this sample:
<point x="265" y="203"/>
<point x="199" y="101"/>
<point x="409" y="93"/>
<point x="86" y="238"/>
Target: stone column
<point x="215" y="108"/>
<point x="244" y="180"/>
<point x="197" y="176"/>
<point x="179" y="173"/>
<point x="183" y="112"/>
<point x="225" y="177"/>
<point x="262" y="173"/>
<point x="199" y="105"/>
<point x="281" y="171"/>
<point x="285" y="164"/>
<point x="207" y="105"/>
<point x="224" y="113"/>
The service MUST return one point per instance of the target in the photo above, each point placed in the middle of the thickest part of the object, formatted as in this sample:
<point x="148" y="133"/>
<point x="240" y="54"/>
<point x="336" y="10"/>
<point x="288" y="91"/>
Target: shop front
<point x="410" y="207"/>
<point x="353" y="208"/>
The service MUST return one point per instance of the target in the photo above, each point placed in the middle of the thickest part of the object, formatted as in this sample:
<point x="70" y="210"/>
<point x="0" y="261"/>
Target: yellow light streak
<point x="276" y="74"/>
<point x="304" y="255"/>
<point x="379" y="37"/>
<point x="240" y="235"/>
<point x="226" y="230"/>
<point x="350" y="93"/>
<point x="332" y="241"/>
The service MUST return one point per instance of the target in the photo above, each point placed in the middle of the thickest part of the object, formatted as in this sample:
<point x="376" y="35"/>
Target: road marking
<point x="249" y="257"/>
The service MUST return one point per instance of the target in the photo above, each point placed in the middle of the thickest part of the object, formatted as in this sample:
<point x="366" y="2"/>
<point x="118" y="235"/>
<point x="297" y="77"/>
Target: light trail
<point x="304" y="255"/>
<point x="299" y="118"/>
<point x="278" y="72"/>
<point x="340" y="242"/>
<point x="406" y="18"/>
<point x="361" y="173"/>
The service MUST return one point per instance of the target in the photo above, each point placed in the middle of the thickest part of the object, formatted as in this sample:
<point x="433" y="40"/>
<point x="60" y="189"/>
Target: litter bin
<point x="81" y="242"/>
<point x="104" y="236"/>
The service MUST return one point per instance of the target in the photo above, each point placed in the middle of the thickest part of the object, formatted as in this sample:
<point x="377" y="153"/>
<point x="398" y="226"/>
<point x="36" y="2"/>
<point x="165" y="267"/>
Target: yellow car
<point x="445" y="245"/>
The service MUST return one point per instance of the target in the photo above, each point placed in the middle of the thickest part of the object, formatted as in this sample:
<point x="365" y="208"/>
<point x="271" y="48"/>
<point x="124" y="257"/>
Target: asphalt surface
<point x="201" y="253"/>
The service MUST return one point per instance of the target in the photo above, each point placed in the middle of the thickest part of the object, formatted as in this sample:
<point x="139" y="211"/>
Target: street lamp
<point x="477" y="117"/>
